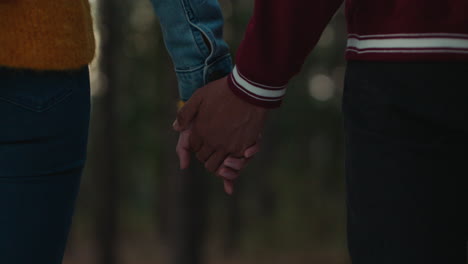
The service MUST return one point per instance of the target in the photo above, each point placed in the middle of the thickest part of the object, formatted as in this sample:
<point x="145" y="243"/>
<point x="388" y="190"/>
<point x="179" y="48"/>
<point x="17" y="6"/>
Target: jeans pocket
<point x="36" y="91"/>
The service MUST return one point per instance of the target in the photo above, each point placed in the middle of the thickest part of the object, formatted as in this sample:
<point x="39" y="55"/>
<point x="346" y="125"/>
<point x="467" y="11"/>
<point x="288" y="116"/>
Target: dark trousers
<point x="406" y="127"/>
<point x="44" y="119"/>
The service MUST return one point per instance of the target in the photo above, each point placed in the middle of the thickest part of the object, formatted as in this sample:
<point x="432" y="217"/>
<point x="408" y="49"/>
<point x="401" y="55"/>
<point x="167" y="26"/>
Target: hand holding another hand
<point x="221" y="128"/>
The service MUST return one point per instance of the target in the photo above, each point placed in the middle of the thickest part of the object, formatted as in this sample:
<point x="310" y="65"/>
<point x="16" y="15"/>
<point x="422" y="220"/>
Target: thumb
<point x="187" y="113"/>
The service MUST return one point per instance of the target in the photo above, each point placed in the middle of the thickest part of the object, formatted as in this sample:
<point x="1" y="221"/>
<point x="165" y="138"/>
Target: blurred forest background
<point x="137" y="207"/>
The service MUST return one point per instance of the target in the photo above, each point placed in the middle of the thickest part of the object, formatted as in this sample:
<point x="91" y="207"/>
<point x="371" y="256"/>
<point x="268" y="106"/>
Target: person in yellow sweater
<point x="45" y="47"/>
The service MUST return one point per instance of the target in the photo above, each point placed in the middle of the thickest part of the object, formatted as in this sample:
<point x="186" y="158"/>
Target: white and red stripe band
<point x="425" y="43"/>
<point x="256" y="93"/>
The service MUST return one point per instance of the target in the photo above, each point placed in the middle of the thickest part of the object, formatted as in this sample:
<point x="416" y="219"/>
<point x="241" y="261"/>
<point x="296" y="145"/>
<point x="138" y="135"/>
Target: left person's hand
<point x="230" y="168"/>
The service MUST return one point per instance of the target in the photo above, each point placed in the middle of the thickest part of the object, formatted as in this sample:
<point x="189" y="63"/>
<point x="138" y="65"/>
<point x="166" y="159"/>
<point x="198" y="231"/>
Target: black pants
<point x="407" y="162"/>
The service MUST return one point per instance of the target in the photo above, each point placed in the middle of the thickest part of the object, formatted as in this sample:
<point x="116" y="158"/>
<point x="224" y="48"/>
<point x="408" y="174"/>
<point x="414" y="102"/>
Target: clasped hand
<point x="221" y="128"/>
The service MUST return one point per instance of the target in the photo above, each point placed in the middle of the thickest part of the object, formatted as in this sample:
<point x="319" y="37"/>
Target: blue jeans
<point x="44" y="119"/>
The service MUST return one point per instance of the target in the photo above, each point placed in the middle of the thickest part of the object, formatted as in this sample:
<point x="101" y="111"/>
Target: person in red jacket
<point x="405" y="108"/>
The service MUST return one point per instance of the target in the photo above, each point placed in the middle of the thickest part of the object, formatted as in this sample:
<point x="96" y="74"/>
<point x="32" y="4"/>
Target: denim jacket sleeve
<point x="193" y="34"/>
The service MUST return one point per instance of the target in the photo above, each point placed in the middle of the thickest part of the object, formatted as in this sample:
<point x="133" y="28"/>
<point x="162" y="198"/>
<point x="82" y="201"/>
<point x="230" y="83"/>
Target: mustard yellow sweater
<point x="46" y="34"/>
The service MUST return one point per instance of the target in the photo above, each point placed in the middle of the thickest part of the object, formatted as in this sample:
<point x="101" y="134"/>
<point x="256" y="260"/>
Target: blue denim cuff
<point x="191" y="79"/>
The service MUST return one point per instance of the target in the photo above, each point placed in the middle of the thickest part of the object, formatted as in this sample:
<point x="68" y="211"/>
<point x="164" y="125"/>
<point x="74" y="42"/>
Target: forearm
<point x="278" y="39"/>
<point x="193" y="34"/>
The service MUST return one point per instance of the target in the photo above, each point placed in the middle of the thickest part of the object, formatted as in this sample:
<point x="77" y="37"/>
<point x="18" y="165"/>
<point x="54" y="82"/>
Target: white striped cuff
<point x="409" y="43"/>
<point x="262" y="94"/>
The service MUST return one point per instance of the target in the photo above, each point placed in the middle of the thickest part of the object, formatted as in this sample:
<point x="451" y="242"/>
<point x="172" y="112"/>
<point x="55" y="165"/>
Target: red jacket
<point x="282" y="33"/>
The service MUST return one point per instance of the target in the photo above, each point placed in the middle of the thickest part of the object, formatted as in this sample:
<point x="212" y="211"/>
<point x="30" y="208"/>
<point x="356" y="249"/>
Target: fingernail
<point x="228" y="189"/>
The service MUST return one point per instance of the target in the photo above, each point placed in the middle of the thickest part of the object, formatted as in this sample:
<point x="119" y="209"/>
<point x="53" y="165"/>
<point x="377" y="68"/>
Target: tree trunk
<point x="105" y="173"/>
<point x="188" y="215"/>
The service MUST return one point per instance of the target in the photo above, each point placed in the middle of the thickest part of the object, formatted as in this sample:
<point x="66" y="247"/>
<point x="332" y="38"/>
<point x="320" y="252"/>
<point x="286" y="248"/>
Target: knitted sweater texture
<point x="46" y="34"/>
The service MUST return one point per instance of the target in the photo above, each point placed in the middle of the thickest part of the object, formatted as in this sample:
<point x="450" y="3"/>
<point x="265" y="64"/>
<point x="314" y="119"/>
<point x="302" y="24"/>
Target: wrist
<point x="264" y="96"/>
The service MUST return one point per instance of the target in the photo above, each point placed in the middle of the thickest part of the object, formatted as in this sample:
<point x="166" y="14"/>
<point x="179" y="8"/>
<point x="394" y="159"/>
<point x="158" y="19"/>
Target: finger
<point x="227" y="173"/>
<point x="204" y="153"/>
<point x="229" y="187"/>
<point x="186" y="114"/>
<point x="195" y="142"/>
<point x="216" y="159"/>
<point x="183" y="149"/>
<point x="251" y="151"/>
<point x="176" y="126"/>
<point x="235" y="163"/>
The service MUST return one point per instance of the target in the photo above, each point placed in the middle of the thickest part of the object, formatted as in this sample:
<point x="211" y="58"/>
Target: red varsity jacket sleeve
<point x="278" y="39"/>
